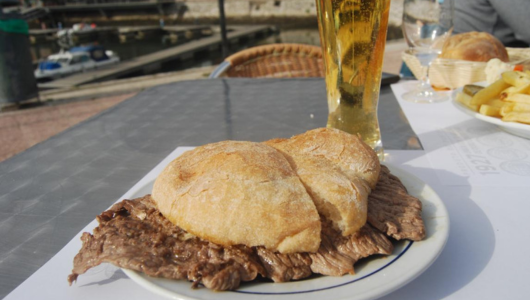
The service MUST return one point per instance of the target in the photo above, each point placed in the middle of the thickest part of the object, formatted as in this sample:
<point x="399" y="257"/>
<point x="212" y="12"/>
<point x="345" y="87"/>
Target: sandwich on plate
<point x="233" y="211"/>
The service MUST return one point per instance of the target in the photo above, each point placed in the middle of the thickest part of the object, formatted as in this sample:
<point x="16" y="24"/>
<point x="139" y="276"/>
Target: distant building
<point x="270" y="9"/>
<point x="78" y="2"/>
<point x="291" y="12"/>
<point x="251" y="8"/>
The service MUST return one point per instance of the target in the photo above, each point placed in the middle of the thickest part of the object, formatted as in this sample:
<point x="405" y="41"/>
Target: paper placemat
<point x="464" y="150"/>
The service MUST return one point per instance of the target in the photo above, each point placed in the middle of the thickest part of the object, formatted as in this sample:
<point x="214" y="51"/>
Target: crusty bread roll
<point x="474" y="46"/>
<point x="239" y="193"/>
<point x="270" y="194"/>
<point x="347" y="151"/>
<point x="338" y="170"/>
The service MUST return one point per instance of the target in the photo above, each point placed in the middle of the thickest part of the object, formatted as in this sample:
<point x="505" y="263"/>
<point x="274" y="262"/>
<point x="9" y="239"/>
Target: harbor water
<point x="136" y="46"/>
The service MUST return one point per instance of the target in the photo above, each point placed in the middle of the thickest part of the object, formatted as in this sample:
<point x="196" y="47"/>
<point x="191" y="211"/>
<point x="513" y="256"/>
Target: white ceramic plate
<point x="519" y="129"/>
<point x="375" y="277"/>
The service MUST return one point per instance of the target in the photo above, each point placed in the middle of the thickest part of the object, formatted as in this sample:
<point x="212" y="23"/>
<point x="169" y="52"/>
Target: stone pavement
<point x="24" y="128"/>
<point x="19" y="130"/>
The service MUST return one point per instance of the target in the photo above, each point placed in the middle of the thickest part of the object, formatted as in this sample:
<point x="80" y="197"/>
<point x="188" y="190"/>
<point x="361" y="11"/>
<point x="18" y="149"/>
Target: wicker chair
<point x="276" y="60"/>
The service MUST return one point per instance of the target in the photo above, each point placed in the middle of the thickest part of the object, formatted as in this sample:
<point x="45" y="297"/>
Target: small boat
<point x="69" y="37"/>
<point x="79" y="27"/>
<point x="75" y="60"/>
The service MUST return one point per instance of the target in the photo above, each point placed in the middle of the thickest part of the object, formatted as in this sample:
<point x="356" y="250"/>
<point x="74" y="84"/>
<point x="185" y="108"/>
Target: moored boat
<point x="75" y="60"/>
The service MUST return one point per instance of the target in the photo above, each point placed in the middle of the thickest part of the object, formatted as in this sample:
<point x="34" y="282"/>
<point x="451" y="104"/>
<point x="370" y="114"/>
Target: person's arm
<point x="473" y="15"/>
<point x="516" y="14"/>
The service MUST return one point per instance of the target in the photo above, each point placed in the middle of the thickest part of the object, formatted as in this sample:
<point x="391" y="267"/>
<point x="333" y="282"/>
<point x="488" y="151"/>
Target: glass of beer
<point x="353" y="36"/>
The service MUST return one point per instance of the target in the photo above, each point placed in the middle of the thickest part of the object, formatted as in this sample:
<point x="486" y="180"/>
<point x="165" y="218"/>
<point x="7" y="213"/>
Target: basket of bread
<point x="465" y="58"/>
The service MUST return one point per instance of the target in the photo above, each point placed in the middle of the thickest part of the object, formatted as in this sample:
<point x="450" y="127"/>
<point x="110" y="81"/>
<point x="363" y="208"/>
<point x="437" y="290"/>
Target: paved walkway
<point x="19" y="130"/>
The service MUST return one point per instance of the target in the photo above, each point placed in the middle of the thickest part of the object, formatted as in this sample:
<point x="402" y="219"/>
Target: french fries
<point x="518" y="98"/>
<point x="489" y="110"/>
<point x="516" y="78"/>
<point x="514" y="107"/>
<point x="490" y="92"/>
<point x="507" y="98"/>
<point x="517" y="117"/>
<point x="466" y="100"/>
<point x="513" y="90"/>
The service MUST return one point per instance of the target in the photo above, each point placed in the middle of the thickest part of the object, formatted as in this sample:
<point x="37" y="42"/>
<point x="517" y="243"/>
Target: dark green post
<point x="17" y="79"/>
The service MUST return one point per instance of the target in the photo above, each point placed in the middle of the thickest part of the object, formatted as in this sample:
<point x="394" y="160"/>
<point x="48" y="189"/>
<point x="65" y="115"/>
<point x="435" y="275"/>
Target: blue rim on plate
<point x="409" y="243"/>
<point x="375" y="276"/>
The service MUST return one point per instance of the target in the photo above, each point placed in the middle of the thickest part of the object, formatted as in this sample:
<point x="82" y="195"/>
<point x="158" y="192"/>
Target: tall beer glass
<point x="353" y="36"/>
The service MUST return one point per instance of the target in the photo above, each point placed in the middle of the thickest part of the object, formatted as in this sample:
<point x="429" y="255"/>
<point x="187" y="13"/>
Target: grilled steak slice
<point x="393" y="211"/>
<point x="285" y="267"/>
<point x="134" y="235"/>
<point x="337" y="254"/>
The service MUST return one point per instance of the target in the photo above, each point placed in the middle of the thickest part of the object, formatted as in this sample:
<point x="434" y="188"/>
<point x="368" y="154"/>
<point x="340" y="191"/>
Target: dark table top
<point x="54" y="189"/>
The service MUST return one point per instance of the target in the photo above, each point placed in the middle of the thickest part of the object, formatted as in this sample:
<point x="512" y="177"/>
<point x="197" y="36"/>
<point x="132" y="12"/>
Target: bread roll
<point x="338" y="170"/>
<point x="347" y="151"/>
<point x="474" y="46"/>
<point x="239" y="193"/>
<point x="270" y="194"/>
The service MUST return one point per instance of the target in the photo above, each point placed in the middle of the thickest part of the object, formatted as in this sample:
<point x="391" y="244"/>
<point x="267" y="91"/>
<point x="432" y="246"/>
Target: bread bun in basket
<point x="474" y="46"/>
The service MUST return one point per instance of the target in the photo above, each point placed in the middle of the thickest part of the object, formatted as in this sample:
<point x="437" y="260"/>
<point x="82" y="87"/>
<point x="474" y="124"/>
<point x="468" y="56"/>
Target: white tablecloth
<point x="485" y="257"/>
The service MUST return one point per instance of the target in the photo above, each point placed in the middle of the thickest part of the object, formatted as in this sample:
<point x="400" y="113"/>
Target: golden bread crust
<point x="270" y="194"/>
<point x="474" y="46"/>
<point x="338" y="170"/>
<point x="239" y="193"/>
<point x="346" y="151"/>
